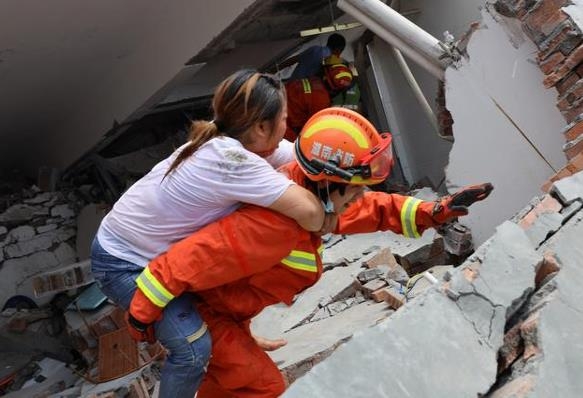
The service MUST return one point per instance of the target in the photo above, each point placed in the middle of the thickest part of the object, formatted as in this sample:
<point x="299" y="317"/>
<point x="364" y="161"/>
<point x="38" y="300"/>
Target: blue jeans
<point x="177" y="331"/>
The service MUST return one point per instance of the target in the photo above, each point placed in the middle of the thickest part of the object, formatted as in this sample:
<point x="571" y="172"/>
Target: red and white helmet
<point x="340" y="145"/>
<point x="338" y="76"/>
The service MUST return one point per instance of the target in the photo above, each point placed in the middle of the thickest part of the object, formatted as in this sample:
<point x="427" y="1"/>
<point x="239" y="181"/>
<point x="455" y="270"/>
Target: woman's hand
<point x="269" y="345"/>
<point x="341" y="203"/>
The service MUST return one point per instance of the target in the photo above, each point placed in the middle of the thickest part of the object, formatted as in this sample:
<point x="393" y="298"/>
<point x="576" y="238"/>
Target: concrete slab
<point x="309" y="340"/>
<point x="358" y="243"/>
<point x="275" y="320"/>
<point x="493" y="291"/>
<point x="569" y="189"/>
<point x="560" y="366"/>
<point x="545" y="224"/>
<point x="386" y="360"/>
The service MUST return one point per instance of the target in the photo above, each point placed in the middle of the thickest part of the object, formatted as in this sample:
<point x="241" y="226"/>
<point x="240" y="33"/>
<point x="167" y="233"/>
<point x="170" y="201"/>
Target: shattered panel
<point x="118" y="355"/>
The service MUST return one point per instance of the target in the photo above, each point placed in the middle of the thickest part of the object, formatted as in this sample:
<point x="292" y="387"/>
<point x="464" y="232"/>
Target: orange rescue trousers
<point x="238" y="363"/>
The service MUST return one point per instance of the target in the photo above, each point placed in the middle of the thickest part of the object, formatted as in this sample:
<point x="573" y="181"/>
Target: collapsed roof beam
<point x="418" y="45"/>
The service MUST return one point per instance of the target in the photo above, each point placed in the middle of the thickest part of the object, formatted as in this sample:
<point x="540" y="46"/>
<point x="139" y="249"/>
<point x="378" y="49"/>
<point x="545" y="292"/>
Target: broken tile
<point x="383" y="257"/>
<point x="373" y="285"/>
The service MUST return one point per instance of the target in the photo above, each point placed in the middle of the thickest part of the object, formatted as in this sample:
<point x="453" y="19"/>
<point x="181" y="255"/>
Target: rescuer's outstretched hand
<point x="457" y="204"/>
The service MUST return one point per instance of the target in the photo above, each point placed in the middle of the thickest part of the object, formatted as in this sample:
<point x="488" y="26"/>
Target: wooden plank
<point x="118" y="355"/>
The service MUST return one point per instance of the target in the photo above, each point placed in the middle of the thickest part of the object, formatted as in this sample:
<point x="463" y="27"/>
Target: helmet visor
<point x="380" y="160"/>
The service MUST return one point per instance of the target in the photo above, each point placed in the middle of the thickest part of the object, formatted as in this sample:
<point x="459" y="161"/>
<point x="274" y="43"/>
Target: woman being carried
<point x="226" y="162"/>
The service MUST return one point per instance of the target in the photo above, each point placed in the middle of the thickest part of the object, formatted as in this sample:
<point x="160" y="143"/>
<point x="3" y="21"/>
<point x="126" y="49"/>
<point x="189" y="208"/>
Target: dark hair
<point x="336" y="42"/>
<point x="241" y="100"/>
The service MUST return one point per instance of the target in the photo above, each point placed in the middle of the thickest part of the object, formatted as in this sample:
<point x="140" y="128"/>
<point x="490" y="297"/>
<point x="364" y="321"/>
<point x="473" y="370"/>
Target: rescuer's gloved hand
<point x="457" y="204"/>
<point x="140" y="331"/>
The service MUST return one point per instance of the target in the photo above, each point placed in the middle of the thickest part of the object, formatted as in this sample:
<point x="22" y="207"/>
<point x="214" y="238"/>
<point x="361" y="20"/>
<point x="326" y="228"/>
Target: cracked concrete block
<point x="570" y="188"/>
<point x="422" y="284"/>
<point x="373" y="285"/>
<point x="63" y="211"/>
<point x="383" y="257"/>
<point x="571" y="210"/>
<point x="34" y="263"/>
<point x="359" y="243"/>
<point x="369" y="274"/>
<point x="22" y="233"/>
<point x="487" y="318"/>
<point x="561" y="363"/>
<point x="566" y="244"/>
<point x="18" y="214"/>
<point x="308" y="341"/>
<point x="412" y="338"/>
<point x="46" y="228"/>
<point x="274" y="320"/>
<point x="65" y="254"/>
<point x="507" y="272"/>
<point x="21" y="249"/>
<point x="39" y="243"/>
<point x="544" y="225"/>
<point x="41" y="198"/>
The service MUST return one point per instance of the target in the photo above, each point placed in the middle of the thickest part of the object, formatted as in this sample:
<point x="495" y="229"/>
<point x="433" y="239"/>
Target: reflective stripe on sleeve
<point x="153" y="289"/>
<point x="408" y="212"/>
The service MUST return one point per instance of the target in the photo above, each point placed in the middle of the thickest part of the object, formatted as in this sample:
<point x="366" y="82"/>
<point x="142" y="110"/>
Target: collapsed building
<point x="400" y="316"/>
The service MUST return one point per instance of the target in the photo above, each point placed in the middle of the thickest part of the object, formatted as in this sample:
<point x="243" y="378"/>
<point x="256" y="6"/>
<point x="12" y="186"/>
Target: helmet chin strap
<point x="328" y="205"/>
<point x="323" y="189"/>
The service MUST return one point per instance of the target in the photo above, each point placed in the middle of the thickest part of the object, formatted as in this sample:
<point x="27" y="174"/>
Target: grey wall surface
<point x="424" y="153"/>
<point x="68" y="69"/>
<point x="507" y="126"/>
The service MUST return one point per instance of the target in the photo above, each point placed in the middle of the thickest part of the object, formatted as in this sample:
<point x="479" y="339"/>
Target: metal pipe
<point x="398" y="31"/>
<point x="418" y="93"/>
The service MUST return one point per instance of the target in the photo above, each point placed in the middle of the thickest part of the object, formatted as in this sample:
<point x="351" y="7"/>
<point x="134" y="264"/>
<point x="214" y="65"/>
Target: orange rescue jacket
<point x="304" y="98"/>
<point x="255" y="257"/>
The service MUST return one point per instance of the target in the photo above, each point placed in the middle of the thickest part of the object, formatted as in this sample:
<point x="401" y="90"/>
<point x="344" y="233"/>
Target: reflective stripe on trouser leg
<point x="198" y="334"/>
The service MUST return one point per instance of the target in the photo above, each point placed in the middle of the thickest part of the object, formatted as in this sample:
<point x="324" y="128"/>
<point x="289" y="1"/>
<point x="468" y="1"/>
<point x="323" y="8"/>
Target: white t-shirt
<point x="212" y="183"/>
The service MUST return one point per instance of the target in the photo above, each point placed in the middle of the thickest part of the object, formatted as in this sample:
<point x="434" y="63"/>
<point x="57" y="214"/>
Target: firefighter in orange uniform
<point x="307" y="96"/>
<point x="255" y="257"/>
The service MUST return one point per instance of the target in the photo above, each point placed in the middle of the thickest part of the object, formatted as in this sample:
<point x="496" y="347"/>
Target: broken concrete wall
<point x="421" y="152"/>
<point x="37" y="234"/>
<point x="505" y="324"/>
<point x="555" y="27"/>
<point x="499" y="137"/>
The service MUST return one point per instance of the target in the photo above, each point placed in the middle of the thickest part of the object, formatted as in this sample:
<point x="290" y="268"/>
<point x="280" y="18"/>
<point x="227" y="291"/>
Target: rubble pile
<point x="506" y="323"/>
<point x="367" y="277"/>
<point x="38" y="235"/>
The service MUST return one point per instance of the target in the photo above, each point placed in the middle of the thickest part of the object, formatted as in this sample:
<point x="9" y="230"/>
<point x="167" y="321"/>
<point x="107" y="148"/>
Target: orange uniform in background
<point x="249" y="260"/>
<point x="305" y="97"/>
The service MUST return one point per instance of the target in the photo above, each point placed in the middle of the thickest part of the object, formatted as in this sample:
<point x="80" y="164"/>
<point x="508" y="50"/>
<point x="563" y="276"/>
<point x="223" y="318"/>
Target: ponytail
<point x="200" y="132"/>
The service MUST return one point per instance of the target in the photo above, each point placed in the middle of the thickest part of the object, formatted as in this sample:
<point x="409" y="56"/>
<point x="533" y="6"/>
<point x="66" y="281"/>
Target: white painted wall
<point x="502" y="112"/>
<point x="68" y="68"/>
